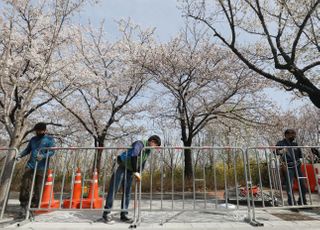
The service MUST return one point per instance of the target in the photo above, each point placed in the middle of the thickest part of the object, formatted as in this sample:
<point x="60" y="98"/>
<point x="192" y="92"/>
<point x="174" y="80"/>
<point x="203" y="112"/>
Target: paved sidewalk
<point x="178" y="220"/>
<point x="306" y="225"/>
<point x="209" y="219"/>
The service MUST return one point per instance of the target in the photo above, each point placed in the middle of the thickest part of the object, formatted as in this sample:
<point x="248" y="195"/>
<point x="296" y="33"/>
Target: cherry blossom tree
<point x="277" y="39"/>
<point x="108" y="82"/>
<point x="33" y="41"/>
<point x="202" y="82"/>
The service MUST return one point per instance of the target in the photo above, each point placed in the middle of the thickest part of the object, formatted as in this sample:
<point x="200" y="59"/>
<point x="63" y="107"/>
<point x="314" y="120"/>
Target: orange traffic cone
<point x="76" y="195"/>
<point x="93" y="196"/>
<point x="94" y="188"/>
<point x="47" y="193"/>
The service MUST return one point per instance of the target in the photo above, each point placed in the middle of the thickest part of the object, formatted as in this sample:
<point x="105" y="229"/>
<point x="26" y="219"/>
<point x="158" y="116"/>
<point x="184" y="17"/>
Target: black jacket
<point x="293" y="154"/>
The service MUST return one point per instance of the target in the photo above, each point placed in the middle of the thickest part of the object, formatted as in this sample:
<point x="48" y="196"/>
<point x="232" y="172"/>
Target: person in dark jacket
<point x="36" y="143"/>
<point x="128" y="167"/>
<point x="290" y="157"/>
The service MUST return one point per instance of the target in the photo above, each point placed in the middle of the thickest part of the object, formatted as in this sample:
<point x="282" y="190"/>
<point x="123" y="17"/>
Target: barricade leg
<point x="252" y="219"/>
<point x="135" y="206"/>
<point x="7" y="189"/>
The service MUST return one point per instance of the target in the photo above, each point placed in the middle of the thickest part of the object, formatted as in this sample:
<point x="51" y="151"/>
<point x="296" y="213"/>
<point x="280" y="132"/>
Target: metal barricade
<point x="269" y="168"/>
<point x="215" y="184"/>
<point x="59" y="178"/>
<point x="5" y="153"/>
<point x="225" y="180"/>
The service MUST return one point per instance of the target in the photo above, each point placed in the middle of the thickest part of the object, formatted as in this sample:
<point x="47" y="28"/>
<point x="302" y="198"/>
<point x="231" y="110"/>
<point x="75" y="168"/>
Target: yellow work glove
<point x="137" y="176"/>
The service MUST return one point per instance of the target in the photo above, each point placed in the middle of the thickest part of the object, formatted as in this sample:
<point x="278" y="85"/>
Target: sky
<point x="160" y="14"/>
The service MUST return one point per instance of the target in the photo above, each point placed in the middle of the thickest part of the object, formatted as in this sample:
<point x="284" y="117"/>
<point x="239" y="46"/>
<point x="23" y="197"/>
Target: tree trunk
<point x="98" y="154"/>
<point x="188" y="163"/>
<point x="228" y="151"/>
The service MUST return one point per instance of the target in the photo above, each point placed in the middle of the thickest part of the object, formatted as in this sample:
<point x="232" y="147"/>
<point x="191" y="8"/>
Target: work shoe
<point x="22" y="211"/>
<point x="108" y="219"/>
<point x="126" y="219"/>
<point x="294" y="209"/>
<point x="34" y="205"/>
<point x="304" y="202"/>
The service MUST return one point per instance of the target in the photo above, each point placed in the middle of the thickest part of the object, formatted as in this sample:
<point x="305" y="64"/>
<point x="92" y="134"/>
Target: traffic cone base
<point x="96" y="203"/>
<point x="77" y="191"/>
<point x="93" y="200"/>
<point x="86" y="203"/>
<point x="93" y="196"/>
<point x="54" y="205"/>
<point x="74" y="203"/>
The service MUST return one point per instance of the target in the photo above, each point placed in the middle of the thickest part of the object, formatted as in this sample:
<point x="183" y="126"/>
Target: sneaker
<point x="304" y="203"/>
<point x="22" y="212"/>
<point x="126" y="219"/>
<point x="294" y="209"/>
<point x="34" y="205"/>
<point x="108" y="219"/>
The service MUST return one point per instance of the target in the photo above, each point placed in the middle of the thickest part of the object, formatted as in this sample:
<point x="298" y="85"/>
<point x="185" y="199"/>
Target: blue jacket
<point x="132" y="157"/>
<point x="35" y="144"/>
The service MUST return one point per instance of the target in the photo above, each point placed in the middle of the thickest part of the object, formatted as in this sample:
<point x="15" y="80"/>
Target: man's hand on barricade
<point x="39" y="157"/>
<point x="283" y="151"/>
<point x="18" y="158"/>
<point x="137" y="176"/>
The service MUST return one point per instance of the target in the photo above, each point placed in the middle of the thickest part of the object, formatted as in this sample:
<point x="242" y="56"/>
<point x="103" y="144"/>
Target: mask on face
<point x="291" y="139"/>
<point x="40" y="134"/>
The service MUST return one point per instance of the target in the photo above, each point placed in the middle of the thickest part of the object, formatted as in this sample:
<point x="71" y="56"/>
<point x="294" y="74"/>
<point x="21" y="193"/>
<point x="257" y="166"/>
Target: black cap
<point x="155" y="138"/>
<point x="287" y="131"/>
<point x="41" y="126"/>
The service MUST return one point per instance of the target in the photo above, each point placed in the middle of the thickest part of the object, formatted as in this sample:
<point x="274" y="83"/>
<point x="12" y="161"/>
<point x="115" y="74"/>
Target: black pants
<point x="25" y="188"/>
<point x="293" y="174"/>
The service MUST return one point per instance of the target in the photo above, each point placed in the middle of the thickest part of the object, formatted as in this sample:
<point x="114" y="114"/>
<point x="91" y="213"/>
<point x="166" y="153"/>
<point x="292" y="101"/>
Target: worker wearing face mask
<point x="290" y="157"/>
<point x="39" y="153"/>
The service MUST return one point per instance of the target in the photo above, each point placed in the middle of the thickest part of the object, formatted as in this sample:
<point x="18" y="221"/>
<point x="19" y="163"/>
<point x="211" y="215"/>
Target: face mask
<point x="291" y="139"/>
<point x="40" y="135"/>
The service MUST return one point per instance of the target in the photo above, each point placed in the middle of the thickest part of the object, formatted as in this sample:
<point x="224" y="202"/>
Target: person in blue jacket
<point x="128" y="167"/>
<point x="39" y="142"/>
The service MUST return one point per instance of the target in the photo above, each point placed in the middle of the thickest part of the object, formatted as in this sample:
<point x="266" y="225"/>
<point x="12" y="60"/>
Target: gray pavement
<point x="220" y="218"/>
<point x="222" y="224"/>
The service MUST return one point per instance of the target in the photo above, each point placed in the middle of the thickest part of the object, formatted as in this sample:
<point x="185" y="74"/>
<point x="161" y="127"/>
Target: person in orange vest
<point x="129" y="164"/>
<point x="40" y="141"/>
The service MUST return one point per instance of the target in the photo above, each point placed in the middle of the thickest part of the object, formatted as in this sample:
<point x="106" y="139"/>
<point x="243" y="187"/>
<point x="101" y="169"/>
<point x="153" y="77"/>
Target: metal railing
<point x="215" y="178"/>
<point x="275" y="169"/>
<point x="5" y="153"/>
<point x="64" y="165"/>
